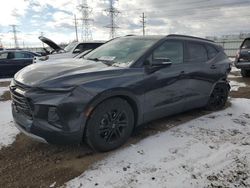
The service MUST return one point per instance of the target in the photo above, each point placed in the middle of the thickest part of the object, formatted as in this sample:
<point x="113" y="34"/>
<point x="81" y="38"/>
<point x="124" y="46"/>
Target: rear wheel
<point x="110" y="125"/>
<point x="245" y="73"/>
<point x="218" y="97"/>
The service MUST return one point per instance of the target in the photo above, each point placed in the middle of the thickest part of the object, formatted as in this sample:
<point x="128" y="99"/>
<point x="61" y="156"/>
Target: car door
<point x="165" y="87"/>
<point x="19" y="60"/>
<point x="4" y="65"/>
<point x="200" y="74"/>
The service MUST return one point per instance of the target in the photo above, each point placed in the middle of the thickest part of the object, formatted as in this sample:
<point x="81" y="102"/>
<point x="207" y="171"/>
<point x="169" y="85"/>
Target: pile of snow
<point x="5" y="79"/>
<point x="8" y="131"/>
<point x="236" y="85"/>
<point x="210" y="151"/>
<point x="2" y="90"/>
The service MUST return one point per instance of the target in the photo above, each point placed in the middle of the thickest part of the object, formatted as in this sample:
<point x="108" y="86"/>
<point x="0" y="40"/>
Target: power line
<point x="112" y="12"/>
<point x="86" y="20"/>
<point x="143" y="23"/>
<point x="14" y="31"/>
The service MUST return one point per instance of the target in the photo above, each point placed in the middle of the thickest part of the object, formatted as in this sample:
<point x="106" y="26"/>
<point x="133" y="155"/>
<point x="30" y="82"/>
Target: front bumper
<point x="242" y="65"/>
<point x="53" y="117"/>
<point x="35" y="137"/>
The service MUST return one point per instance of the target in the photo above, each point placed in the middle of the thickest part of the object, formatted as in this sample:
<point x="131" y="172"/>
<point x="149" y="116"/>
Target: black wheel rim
<point x="218" y="97"/>
<point x="112" y="126"/>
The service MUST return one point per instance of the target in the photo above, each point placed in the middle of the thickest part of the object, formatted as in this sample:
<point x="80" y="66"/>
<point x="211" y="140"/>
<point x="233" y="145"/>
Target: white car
<point x="70" y="51"/>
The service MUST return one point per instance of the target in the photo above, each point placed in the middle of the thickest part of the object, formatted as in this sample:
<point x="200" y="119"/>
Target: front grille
<point x="19" y="101"/>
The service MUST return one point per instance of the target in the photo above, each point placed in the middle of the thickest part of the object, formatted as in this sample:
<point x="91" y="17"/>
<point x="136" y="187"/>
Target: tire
<point x="218" y="97"/>
<point x="245" y="73"/>
<point x="110" y="125"/>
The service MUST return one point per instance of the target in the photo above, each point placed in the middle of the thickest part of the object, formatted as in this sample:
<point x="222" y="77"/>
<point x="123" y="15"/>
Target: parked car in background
<point x="11" y="61"/>
<point x="242" y="60"/>
<point x="70" y="51"/>
<point x="122" y="84"/>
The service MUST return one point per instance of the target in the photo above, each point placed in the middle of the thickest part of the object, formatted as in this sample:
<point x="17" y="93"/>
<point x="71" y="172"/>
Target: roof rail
<point x="192" y="37"/>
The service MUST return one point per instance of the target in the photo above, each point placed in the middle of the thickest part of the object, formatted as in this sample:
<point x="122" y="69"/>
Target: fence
<point x="230" y="46"/>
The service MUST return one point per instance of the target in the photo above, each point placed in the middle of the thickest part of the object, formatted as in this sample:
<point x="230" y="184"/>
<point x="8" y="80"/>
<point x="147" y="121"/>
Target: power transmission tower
<point x="112" y="12"/>
<point x="143" y="23"/>
<point x="14" y="31"/>
<point x="76" y="28"/>
<point x="86" y="20"/>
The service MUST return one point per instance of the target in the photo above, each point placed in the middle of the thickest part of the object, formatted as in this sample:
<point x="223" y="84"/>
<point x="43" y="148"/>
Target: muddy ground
<point x="27" y="163"/>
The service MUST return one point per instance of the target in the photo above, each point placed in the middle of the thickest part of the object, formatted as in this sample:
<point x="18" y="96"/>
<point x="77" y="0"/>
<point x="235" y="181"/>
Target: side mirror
<point x="76" y="51"/>
<point x="162" y="62"/>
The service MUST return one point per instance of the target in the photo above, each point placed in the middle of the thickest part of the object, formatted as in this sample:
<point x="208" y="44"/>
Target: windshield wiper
<point x="109" y="63"/>
<point x="93" y="59"/>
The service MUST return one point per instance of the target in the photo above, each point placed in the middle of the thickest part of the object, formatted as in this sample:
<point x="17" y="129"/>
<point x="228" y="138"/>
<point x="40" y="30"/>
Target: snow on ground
<point x="2" y="90"/>
<point x="5" y="79"/>
<point x="210" y="151"/>
<point x="8" y="131"/>
<point x="236" y="85"/>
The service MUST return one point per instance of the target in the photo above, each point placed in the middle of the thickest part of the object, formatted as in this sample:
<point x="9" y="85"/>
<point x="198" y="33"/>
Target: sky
<point x="55" y="18"/>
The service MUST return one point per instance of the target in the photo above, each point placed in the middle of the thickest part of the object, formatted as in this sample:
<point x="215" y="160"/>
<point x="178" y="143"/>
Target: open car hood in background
<point x="50" y="43"/>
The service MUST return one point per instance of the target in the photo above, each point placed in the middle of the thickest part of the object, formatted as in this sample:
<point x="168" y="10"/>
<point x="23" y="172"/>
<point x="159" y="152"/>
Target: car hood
<point x="50" y="43"/>
<point x="36" y="75"/>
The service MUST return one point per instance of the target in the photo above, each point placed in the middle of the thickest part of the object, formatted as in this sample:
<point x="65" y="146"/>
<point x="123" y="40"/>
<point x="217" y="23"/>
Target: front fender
<point x="133" y="100"/>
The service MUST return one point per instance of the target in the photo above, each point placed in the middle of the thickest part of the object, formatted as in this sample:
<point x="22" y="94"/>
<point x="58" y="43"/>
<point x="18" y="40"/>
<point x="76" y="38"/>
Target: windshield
<point x="122" y="51"/>
<point x="70" y="46"/>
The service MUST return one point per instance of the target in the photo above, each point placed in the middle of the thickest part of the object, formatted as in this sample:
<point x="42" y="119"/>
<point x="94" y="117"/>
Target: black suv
<point x="122" y="84"/>
<point x="242" y="60"/>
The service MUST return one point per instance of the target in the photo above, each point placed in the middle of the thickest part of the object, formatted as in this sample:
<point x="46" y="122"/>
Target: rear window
<point x="196" y="53"/>
<point x="246" y="44"/>
<point x="211" y="51"/>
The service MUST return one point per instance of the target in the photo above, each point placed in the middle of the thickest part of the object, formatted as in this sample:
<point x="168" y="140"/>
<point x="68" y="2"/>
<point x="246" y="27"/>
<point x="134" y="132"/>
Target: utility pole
<point x="14" y="31"/>
<point x="76" y="28"/>
<point x="143" y="23"/>
<point x="86" y="20"/>
<point x="112" y="12"/>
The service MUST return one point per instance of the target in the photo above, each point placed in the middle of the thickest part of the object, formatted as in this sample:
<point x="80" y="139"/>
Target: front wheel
<point x="218" y="97"/>
<point x="110" y="125"/>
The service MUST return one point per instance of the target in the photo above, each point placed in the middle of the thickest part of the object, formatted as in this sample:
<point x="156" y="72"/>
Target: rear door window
<point x="211" y="51"/>
<point x="196" y="53"/>
<point x="246" y="44"/>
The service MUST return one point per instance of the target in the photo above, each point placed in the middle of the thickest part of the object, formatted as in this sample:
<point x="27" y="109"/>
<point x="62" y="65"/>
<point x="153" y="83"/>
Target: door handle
<point x="213" y="67"/>
<point x="182" y="72"/>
